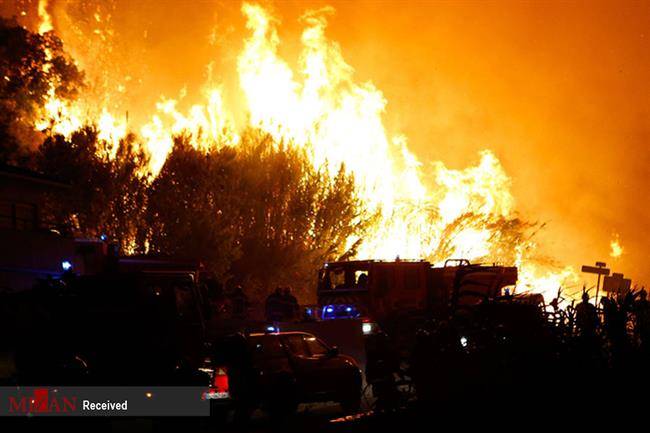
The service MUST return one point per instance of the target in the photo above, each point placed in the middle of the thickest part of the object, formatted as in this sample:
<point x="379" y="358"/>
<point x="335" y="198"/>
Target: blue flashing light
<point x="327" y="311"/>
<point x="103" y="237"/>
<point x="339" y="311"/>
<point x="66" y="265"/>
<point x="272" y="328"/>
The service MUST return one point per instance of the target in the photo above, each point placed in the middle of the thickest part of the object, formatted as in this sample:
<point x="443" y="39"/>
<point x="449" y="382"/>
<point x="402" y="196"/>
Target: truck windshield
<point x="342" y="278"/>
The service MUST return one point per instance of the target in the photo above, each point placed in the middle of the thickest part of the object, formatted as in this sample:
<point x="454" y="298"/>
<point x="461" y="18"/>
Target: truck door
<point x="189" y="327"/>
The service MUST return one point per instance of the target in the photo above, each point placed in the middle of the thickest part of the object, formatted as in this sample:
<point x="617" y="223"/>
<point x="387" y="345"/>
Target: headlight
<point x="367" y="328"/>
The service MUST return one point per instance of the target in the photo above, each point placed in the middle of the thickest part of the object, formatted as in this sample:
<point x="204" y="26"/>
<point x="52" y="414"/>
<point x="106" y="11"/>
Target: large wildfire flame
<point x="320" y="107"/>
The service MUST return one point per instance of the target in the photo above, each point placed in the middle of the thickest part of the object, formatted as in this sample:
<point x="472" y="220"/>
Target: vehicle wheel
<point x="285" y="403"/>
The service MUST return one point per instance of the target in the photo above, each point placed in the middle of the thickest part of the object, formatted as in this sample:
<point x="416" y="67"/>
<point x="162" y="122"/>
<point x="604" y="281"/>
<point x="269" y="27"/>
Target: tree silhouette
<point x="192" y="206"/>
<point x="31" y="67"/>
<point x="259" y="213"/>
<point x="108" y="195"/>
<point x="294" y="216"/>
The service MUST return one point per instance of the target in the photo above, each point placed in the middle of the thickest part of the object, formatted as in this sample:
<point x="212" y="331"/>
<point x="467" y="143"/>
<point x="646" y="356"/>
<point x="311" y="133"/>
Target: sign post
<point x="599" y="270"/>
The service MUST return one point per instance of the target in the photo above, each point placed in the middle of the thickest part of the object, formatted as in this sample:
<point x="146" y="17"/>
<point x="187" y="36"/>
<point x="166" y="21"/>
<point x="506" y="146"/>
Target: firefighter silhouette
<point x="274" y="306"/>
<point x="239" y="302"/>
<point x="586" y="317"/>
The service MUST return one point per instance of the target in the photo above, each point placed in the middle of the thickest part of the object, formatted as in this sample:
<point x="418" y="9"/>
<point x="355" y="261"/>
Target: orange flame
<point x="616" y="247"/>
<point x="320" y="107"/>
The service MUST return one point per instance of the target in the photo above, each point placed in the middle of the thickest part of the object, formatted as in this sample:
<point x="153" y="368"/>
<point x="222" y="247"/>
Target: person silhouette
<point x="641" y="311"/>
<point x="289" y="305"/>
<point x="239" y="302"/>
<point x="586" y="317"/>
<point x="274" y="306"/>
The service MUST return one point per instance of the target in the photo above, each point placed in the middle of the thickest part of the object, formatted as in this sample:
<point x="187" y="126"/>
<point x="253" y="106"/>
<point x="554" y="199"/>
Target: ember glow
<point x="616" y="247"/>
<point x="426" y="210"/>
<point x="44" y="16"/>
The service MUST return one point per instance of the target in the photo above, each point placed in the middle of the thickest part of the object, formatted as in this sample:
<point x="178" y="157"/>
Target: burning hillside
<point x="317" y="105"/>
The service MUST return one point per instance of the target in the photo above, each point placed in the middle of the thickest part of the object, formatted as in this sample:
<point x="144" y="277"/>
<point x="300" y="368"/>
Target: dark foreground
<point x="598" y="412"/>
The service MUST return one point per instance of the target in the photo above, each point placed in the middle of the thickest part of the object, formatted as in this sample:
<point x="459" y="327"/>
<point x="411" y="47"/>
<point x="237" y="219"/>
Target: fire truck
<point x="378" y="291"/>
<point x="438" y="330"/>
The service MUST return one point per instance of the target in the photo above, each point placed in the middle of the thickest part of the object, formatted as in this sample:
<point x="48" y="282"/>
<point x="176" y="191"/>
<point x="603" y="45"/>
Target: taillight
<point x="220" y="380"/>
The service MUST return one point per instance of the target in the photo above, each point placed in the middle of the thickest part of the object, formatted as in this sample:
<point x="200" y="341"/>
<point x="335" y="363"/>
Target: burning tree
<point x="108" y="194"/>
<point x="192" y="210"/>
<point x="259" y="212"/>
<point x="294" y="216"/>
<point x="33" y="69"/>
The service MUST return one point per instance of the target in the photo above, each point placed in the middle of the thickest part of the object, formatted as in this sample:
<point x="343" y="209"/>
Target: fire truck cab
<point x="371" y="288"/>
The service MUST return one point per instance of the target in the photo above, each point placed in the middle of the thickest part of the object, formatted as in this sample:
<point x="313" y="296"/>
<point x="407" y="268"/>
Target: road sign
<point x="599" y="270"/>
<point x="617" y="284"/>
<point x="595" y="270"/>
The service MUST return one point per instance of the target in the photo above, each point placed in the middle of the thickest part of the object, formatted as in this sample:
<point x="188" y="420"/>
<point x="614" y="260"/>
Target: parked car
<point x="278" y="370"/>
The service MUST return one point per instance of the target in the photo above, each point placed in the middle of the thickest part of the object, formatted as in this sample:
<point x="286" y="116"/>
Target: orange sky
<point x="559" y="90"/>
